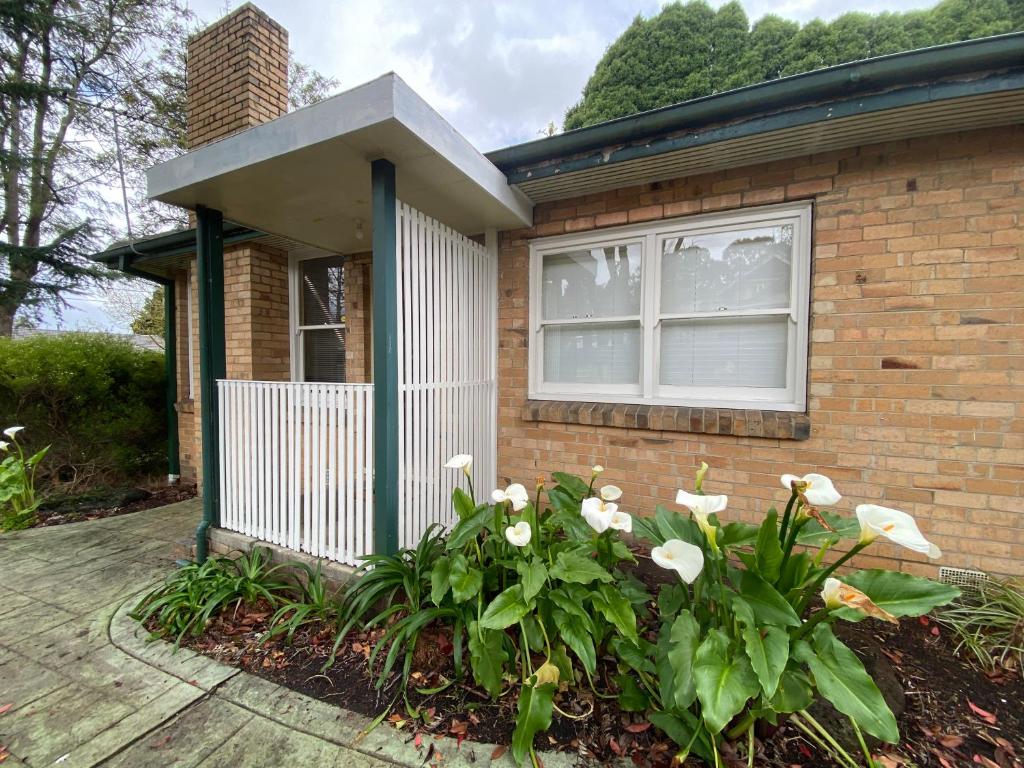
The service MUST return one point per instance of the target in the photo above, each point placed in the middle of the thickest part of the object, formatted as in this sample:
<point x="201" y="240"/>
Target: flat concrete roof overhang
<point x="306" y="175"/>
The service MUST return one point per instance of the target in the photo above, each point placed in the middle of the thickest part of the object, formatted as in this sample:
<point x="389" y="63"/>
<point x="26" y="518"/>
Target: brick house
<point x="819" y="273"/>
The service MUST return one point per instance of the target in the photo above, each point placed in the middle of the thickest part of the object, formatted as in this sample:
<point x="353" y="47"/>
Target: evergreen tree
<point x="150" y="320"/>
<point x="688" y="51"/>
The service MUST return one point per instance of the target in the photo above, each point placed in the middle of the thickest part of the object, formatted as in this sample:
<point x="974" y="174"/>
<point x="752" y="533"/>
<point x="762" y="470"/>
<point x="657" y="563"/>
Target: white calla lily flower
<point x="702" y="507"/>
<point x="12" y="431"/>
<point x="461" y="461"/>
<point x="621" y="521"/>
<point x="515" y="493"/>
<point x="519" y="535"/>
<point x="599" y="513"/>
<point x="596" y="470"/>
<point x="817" y="489"/>
<point x="4" y="445"/>
<point x="611" y="492"/>
<point x="898" y="527"/>
<point x="836" y="594"/>
<point x="680" y="556"/>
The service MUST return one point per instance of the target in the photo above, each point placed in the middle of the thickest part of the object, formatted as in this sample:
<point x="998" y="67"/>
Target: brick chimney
<point x="236" y="75"/>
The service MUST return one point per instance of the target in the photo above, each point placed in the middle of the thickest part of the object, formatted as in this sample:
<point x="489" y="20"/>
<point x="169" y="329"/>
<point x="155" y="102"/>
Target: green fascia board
<point x="163" y="245"/>
<point x="821" y="113"/>
<point x="921" y="70"/>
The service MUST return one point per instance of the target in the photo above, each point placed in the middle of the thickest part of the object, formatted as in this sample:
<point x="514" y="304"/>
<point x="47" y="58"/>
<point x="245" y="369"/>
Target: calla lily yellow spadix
<point x="702" y="507"/>
<point x="817" y="489"/>
<point x="680" y="556"/>
<point x="519" y="535"/>
<point x="599" y="514"/>
<point x="836" y="594"/>
<point x="515" y="493"/>
<point x="895" y="525"/>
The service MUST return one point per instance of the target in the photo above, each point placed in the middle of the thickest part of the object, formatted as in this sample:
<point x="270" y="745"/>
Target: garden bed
<point x="109" y="502"/>
<point x="949" y="713"/>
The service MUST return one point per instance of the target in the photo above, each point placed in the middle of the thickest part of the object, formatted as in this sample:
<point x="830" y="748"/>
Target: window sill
<point x="778" y="425"/>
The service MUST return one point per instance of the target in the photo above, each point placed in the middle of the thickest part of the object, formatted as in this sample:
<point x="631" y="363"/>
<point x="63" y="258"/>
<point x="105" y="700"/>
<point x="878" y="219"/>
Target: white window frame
<point x="296" y="351"/>
<point x="651" y="235"/>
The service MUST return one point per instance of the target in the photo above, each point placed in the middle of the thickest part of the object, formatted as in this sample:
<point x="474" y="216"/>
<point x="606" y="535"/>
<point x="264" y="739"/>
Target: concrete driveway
<point x="79" y="697"/>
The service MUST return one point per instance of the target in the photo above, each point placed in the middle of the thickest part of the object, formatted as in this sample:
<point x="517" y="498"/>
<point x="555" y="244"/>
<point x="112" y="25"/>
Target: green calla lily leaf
<point x="841" y="678"/>
<point x="724" y="679"/>
<point x="505" y="609"/>
<point x="534" y="715"/>
<point x="901" y="594"/>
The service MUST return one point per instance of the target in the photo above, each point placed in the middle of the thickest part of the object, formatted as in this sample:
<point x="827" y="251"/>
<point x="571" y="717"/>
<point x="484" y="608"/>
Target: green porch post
<point x="210" y="274"/>
<point x="385" y="359"/>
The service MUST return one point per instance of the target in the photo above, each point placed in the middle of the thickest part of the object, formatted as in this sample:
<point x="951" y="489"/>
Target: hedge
<point x="98" y="400"/>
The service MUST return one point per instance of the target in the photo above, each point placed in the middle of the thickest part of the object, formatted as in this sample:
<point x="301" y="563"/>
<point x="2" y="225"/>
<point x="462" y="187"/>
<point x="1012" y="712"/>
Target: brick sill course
<point x="780" y="425"/>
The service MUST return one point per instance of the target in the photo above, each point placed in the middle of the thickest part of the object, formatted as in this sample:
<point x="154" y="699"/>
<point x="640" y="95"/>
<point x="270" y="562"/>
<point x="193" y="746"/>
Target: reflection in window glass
<point x="323" y="291"/>
<point x="727" y="271"/>
<point x="322" y="318"/>
<point x="600" y="282"/>
<point x="592" y="353"/>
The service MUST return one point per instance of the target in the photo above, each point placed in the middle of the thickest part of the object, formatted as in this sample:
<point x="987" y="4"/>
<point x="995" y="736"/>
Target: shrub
<point x="97" y="400"/>
<point x="18" y="498"/>
<point x="989" y="624"/>
<point x="185" y="603"/>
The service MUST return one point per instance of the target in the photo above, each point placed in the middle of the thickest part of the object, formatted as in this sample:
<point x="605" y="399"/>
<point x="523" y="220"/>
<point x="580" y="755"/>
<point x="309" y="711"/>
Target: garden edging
<point x="300" y="712"/>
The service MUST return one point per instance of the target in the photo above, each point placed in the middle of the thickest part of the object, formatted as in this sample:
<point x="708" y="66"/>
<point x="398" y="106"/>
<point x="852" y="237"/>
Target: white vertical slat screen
<point x="447" y="304"/>
<point x="296" y="465"/>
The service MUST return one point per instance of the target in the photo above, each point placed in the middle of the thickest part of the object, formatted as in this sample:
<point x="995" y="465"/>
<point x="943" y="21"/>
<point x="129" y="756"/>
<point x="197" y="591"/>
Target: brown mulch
<point x="952" y="714"/>
<point x="97" y="504"/>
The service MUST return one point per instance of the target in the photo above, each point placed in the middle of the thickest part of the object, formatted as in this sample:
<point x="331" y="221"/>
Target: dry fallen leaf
<point x="638" y="727"/>
<point x="988" y="717"/>
<point x="982" y="760"/>
<point x="5" y="707"/>
<point x="951" y="741"/>
<point x="498" y="752"/>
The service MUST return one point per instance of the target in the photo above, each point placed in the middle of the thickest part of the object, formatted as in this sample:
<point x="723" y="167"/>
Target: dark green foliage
<point x="387" y="586"/>
<point x="314" y="602"/>
<point x="97" y="400"/>
<point x="193" y="595"/>
<point x="688" y="51"/>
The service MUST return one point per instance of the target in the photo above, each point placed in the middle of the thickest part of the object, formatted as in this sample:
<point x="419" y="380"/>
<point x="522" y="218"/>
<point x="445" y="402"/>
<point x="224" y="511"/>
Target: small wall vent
<point x="972" y="581"/>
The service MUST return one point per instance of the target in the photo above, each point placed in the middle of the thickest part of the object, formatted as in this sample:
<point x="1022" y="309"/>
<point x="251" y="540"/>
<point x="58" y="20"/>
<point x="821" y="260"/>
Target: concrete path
<point x="87" y="689"/>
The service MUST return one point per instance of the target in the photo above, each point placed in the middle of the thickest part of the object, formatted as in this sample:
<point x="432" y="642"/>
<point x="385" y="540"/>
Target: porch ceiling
<point x="306" y="175"/>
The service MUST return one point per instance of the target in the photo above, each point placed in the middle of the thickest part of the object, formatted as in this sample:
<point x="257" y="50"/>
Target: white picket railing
<point x="296" y="465"/>
<point x="447" y="341"/>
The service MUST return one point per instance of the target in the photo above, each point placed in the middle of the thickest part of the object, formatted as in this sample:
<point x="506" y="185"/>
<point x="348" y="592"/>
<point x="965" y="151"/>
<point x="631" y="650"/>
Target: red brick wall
<point x="915" y="365"/>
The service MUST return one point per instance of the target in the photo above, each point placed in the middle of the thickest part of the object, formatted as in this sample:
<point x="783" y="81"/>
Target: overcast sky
<point x="498" y="71"/>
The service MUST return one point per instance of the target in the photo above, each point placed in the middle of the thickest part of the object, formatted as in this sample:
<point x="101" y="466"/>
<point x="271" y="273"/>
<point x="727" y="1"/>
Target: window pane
<point x="323" y="353"/>
<point x="592" y="354"/>
<point x="323" y="291"/>
<point x="731" y="352"/>
<point x="727" y="271"/>
<point x="601" y="282"/>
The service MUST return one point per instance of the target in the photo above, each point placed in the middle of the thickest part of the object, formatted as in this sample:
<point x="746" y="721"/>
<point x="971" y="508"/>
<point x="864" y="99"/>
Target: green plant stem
<point x="472" y="493"/>
<point x="785" y="517"/>
<point x="828" y="737"/>
<point x="750" y="747"/>
<point x="822" y="745"/>
<point x="745" y="724"/>
<point x="863" y="745"/>
<point x="811" y="623"/>
<point x="787" y="548"/>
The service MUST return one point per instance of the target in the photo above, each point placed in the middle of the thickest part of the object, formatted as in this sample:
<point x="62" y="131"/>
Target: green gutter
<point x="170" y="357"/>
<point x="845" y="81"/>
<point x="169" y="244"/>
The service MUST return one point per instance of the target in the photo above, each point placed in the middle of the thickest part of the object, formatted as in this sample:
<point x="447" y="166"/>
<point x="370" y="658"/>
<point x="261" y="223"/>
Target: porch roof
<point x="306" y="175"/>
